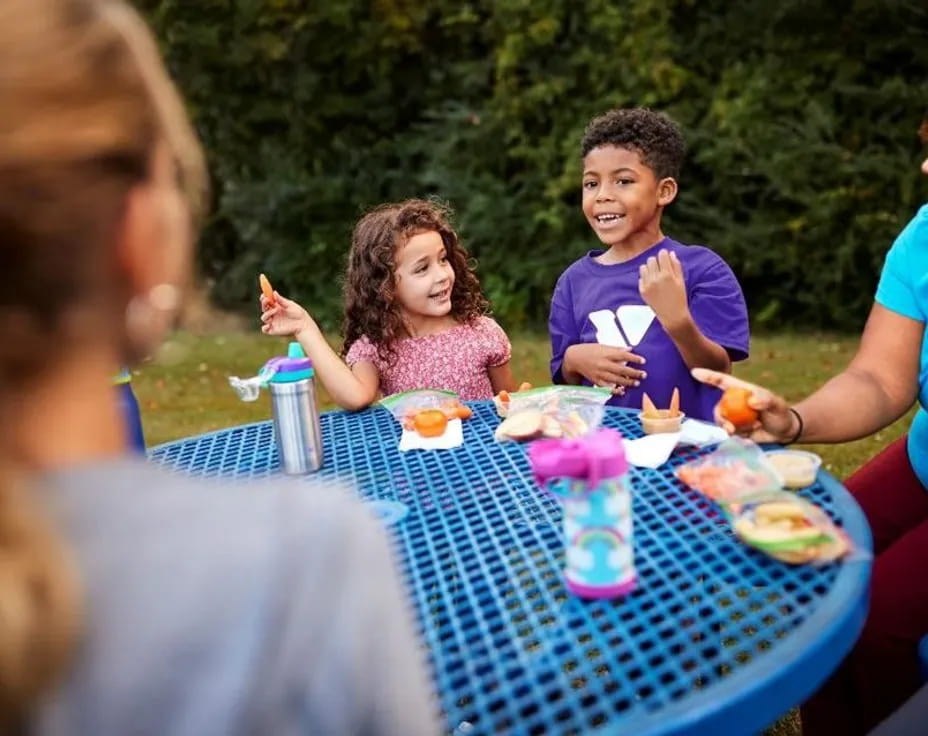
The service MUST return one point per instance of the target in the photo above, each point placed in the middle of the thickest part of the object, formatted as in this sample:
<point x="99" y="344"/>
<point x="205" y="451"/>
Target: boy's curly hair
<point x="652" y="135"/>
<point x="371" y="309"/>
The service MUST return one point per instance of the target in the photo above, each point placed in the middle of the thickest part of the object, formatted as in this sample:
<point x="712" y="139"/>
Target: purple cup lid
<point x="287" y="369"/>
<point x="284" y="364"/>
<point x="593" y="458"/>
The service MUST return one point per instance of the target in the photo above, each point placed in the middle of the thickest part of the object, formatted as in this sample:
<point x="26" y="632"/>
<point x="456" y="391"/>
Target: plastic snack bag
<point x="735" y="472"/>
<point x="789" y="528"/>
<point x="426" y="411"/>
<point x="553" y="412"/>
<point x="503" y="399"/>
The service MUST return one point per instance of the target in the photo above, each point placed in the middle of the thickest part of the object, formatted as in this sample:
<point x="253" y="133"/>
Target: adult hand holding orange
<point x="736" y="408"/>
<point x="774" y="422"/>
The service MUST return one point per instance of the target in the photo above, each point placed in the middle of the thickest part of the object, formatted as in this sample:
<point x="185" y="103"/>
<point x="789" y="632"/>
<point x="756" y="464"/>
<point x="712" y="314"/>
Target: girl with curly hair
<point x="415" y="316"/>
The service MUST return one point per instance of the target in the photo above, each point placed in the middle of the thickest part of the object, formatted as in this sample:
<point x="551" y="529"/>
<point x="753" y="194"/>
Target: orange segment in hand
<point x="430" y="422"/>
<point x="454" y="409"/>
<point x="735" y="408"/>
<point x="266" y="288"/>
<point x="464" y="412"/>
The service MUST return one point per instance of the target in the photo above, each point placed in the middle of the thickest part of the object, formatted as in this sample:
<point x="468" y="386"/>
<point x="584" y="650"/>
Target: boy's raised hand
<point x="283" y="318"/>
<point x="604" y="365"/>
<point x="661" y="285"/>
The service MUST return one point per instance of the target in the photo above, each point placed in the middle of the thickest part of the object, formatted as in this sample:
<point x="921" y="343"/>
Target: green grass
<point x="185" y="391"/>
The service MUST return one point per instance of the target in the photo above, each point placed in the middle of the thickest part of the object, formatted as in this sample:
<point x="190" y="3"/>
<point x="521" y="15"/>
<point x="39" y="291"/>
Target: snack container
<point x="797" y="467"/>
<point x="661" y="421"/>
<point x="661" y="424"/>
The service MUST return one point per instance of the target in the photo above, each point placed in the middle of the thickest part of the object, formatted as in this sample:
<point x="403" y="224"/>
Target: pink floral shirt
<point x="455" y="360"/>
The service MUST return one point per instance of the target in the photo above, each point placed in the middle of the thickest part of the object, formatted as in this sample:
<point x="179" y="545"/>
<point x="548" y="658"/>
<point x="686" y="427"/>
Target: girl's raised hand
<point x="775" y="422"/>
<point x="283" y="317"/>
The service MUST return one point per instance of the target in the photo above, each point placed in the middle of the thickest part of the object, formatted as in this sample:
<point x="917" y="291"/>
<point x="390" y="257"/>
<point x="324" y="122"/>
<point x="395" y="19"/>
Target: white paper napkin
<point x="452" y="437"/>
<point x="652" y="450"/>
<point x="695" y="432"/>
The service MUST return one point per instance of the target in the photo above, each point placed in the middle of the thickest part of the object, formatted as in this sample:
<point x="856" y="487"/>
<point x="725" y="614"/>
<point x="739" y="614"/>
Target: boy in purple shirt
<point x="647" y="309"/>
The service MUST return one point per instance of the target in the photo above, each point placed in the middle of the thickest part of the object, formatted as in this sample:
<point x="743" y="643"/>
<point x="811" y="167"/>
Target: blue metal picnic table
<point x="716" y="639"/>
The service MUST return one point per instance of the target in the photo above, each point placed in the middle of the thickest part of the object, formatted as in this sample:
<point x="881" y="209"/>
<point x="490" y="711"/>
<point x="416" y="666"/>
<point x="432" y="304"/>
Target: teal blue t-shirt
<point x="904" y="289"/>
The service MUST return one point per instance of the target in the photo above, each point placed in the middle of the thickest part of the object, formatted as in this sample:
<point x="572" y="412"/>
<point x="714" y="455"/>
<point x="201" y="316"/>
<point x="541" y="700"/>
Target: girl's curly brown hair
<point x="371" y="309"/>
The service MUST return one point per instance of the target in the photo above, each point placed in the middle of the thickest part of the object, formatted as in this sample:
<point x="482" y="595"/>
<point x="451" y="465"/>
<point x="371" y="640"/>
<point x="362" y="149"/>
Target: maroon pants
<point x="882" y="669"/>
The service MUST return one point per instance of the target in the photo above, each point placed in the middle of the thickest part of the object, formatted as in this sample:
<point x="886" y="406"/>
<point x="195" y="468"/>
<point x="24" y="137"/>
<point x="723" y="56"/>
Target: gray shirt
<point x="228" y="608"/>
<point x="910" y="720"/>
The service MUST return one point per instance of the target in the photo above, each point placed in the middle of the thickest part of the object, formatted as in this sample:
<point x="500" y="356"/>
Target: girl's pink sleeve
<point x="361" y="350"/>
<point x="499" y="347"/>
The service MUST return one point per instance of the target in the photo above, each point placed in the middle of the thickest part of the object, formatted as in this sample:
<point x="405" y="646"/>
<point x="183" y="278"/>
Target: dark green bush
<point x="800" y="117"/>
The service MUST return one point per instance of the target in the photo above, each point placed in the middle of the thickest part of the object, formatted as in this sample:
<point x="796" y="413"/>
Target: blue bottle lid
<point x="295" y="366"/>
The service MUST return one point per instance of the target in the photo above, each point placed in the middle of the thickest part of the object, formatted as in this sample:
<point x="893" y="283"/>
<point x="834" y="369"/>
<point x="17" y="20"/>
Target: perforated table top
<point x="716" y="639"/>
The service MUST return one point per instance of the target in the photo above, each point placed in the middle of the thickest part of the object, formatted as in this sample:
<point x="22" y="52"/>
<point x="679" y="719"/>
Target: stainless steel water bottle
<point x="296" y="414"/>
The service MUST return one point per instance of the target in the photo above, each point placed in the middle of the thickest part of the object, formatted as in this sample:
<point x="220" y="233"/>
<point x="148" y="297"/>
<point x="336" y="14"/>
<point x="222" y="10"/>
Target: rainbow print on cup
<point x="589" y="477"/>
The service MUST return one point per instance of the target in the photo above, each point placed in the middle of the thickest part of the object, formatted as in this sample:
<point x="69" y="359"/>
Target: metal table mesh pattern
<point x="715" y="639"/>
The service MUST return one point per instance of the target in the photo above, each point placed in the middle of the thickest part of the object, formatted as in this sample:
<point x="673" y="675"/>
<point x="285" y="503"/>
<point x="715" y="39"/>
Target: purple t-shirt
<point x="593" y="302"/>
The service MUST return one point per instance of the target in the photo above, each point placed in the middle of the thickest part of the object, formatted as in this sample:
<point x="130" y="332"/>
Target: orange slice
<point x="266" y="288"/>
<point x="430" y="422"/>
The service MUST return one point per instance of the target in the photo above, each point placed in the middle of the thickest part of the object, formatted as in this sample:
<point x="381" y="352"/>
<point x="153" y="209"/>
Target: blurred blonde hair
<point x="84" y="101"/>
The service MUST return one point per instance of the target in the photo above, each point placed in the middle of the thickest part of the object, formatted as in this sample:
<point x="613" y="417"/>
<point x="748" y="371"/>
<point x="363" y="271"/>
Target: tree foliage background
<point x="800" y="118"/>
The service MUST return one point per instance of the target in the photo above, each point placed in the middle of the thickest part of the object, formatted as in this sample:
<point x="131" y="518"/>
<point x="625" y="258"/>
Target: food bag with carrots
<point x="503" y="399"/>
<point x="733" y="473"/>
<point x="553" y="412"/>
<point x="426" y="412"/>
<point x="739" y="478"/>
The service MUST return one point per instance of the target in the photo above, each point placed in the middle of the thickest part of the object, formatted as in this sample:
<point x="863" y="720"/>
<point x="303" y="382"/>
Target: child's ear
<point x="666" y="191"/>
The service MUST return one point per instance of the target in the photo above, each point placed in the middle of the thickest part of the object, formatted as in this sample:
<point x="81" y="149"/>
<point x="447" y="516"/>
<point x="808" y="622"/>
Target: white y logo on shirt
<point x="623" y="328"/>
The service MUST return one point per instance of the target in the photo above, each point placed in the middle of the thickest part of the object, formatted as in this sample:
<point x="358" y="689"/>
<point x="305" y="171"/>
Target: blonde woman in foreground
<point x="133" y="601"/>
